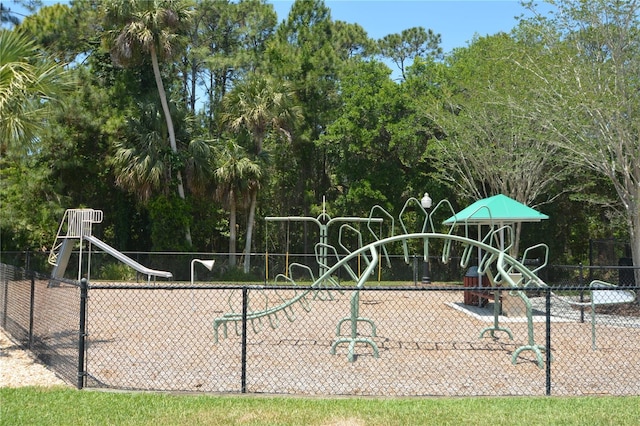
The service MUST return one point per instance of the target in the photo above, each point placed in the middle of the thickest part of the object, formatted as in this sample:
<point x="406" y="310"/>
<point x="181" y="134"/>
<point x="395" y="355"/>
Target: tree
<point x="309" y="51"/>
<point x="65" y="164"/>
<point x="492" y="144"/>
<point x="410" y="44"/>
<point x="67" y="32"/>
<point x="238" y="179"/>
<point x="259" y="106"/>
<point x="141" y="162"/>
<point x="31" y="205"/>
<point x="30" y="85"/>
<point x="226" y="40"/>
<point x="145" y="27"/>
<point x="589" y="96"/>
<point x="7" y="16"/>
<point x="377" y="147"/>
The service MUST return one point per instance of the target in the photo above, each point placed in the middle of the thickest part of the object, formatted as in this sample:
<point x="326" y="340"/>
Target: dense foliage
<point x="188" y="121"/>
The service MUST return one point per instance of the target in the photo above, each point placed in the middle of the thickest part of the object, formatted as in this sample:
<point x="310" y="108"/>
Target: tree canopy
<point x="187" y="121"/>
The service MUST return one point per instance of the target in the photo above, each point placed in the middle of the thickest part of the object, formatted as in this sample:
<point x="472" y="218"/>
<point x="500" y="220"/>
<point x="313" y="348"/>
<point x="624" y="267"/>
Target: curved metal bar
<point x="420" y="208"/>
<point x="498" y="235"/>
<point x="446" y="248"/>
<point x="392" y="228"/>
<point x="532" y="248"/>
<point x="325" y="248"/>
<point x="274" y="321"/>
<point x="425" y="223"/>
<point x="340" y="234"/>
<point x="372" y="220"/>
<point x="531" y="345"/>
<point x="466" y="255"/>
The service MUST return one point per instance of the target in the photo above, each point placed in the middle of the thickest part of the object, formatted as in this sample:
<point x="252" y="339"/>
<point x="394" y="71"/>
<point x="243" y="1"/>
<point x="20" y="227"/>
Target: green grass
<point x="65" y="406"/>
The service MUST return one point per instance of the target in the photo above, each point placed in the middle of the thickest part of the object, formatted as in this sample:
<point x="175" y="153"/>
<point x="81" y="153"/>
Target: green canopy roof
<point x="495" y="210"/>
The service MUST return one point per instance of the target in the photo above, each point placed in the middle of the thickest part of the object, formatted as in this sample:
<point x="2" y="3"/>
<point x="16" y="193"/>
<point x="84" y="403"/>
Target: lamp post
<point x="426" y="203"/>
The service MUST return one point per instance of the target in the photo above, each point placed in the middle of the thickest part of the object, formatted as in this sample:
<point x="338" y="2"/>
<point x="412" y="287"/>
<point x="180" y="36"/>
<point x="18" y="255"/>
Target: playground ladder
<point x="74" y="224"/>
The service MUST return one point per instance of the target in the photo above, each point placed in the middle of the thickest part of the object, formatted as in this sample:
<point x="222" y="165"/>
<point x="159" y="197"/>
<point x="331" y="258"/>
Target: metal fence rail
<point x="427" y="340"/>
<point x="105" y="267"/>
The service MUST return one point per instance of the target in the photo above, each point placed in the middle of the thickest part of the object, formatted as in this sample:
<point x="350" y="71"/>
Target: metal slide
<point x="126" y="259"/>
<point x="77" y="224"/>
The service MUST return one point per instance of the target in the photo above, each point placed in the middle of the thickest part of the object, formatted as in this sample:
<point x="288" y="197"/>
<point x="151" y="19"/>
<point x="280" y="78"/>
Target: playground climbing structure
<point x="504" y="272"/>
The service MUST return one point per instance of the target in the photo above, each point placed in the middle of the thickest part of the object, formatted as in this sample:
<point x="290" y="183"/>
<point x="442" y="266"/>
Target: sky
<point x="457" y="21"/>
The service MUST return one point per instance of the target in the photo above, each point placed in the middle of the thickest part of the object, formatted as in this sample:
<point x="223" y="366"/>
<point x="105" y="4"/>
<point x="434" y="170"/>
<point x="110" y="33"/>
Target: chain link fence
<point x="396" y="337"/>
<point x="42" y="316"/>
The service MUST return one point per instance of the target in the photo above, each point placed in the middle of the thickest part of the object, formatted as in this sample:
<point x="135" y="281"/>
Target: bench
<point x="602" y="293"/>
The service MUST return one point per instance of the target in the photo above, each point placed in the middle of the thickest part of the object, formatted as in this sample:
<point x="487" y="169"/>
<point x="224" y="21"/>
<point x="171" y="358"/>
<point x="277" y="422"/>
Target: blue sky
<point x="457" y="21"/>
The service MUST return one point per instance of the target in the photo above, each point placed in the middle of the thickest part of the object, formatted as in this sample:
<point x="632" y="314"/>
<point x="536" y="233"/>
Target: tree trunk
<point x="515" y="248"/>
<point x="635" y="242"/>
<point x="172" y="135"/>
<point x="250" y="220"/>
<point x="232" y="231"/>
<point x="252" y="213"/>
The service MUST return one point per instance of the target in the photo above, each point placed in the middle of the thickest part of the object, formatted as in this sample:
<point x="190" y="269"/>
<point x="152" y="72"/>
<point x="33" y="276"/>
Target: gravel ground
<point x="429" y="344"/>
<point x="19" y="367"/>
<point x="422" y="339"/>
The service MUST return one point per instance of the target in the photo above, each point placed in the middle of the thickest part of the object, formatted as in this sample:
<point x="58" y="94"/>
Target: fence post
<point x="84" y="293"/>
<point x="581" y="283"/>
<point x="5" y="306"/>
<point x="243" y="361"/>
<point x="547" y="296"/>
<point x="32" y="298"/>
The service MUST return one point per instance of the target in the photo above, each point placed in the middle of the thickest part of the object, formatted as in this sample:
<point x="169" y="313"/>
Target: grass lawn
<point x="65" y="406"/>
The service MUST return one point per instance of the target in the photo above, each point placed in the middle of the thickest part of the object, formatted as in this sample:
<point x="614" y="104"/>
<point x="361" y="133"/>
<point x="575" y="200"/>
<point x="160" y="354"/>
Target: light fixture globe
<point x="426" y="201"/>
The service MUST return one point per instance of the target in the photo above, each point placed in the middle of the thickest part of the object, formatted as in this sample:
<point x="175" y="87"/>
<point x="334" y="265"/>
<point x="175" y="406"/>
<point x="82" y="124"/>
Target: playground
<point x="324" y="337"/>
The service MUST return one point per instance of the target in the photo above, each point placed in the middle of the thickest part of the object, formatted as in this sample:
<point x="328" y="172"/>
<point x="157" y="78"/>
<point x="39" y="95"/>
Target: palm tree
<point x="30" y="84"/>
<point x="259" y="106"/>
<point x="238" y="179"/>
<point x="140" y="162"/>
<point x="149" y="27"/>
